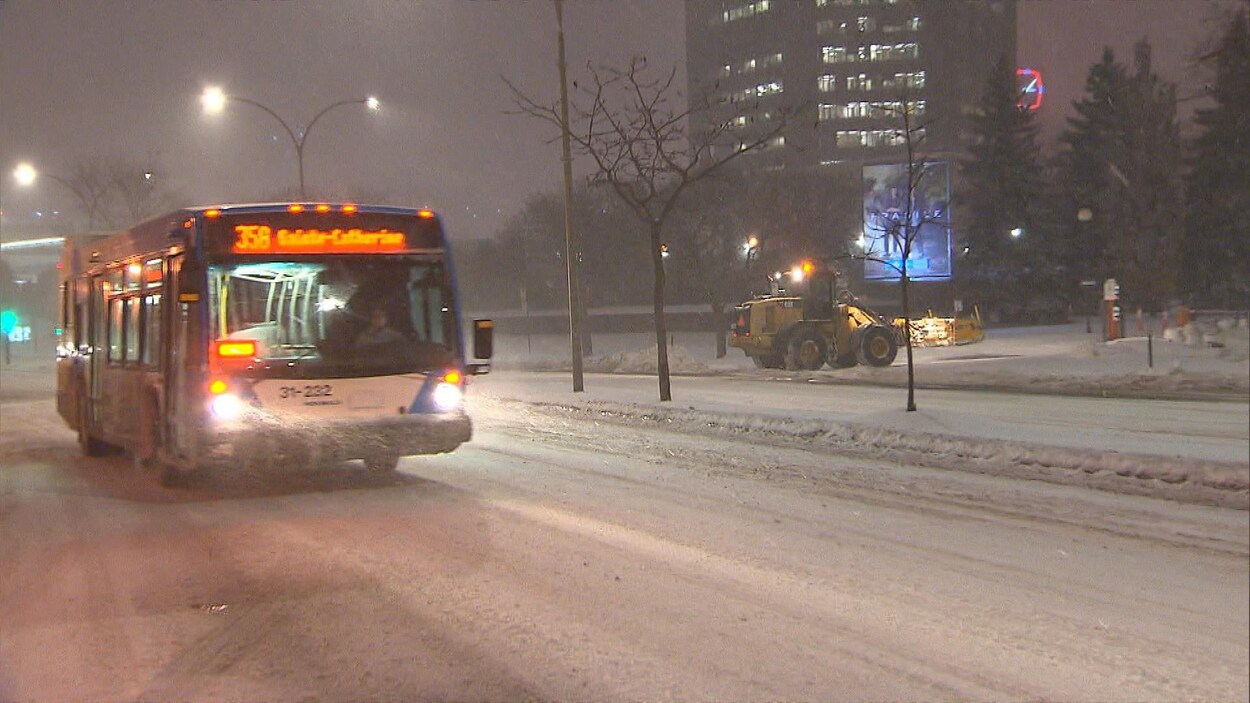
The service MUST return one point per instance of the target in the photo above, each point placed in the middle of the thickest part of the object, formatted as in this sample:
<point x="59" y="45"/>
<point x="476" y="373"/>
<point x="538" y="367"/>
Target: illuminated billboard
<point x="886" y="228"/>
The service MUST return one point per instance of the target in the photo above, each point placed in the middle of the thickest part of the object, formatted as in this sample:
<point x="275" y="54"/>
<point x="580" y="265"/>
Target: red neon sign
<point x="263" y="239"/>
<point x="1030" y="89"/>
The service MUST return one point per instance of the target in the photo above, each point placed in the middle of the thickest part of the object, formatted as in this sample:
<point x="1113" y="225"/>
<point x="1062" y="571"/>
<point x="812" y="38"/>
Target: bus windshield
<point x="346" y="315"/>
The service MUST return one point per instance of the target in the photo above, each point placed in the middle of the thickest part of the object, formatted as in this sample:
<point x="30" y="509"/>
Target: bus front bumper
<point x="266" y="439"/>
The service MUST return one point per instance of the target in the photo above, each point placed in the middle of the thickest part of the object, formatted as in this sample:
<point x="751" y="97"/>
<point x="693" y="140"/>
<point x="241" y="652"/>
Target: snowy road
<point x="565" y="555"/>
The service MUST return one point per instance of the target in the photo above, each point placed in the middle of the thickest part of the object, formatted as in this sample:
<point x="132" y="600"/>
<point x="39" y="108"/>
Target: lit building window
<point x="906" y="79"/>
<point x="874" y="109"/>
<point x="871" y="138"/>
<point x="751" y="65"/>
<point x="759" y="91"/>
<point x="860" y="82"/>
<point x="871" y="52"/>
<point x="834" y="54"/>
<point x="827" y="83"/>
<point x="911" y="25"/>
<point x="893" y="52"/>
<point x="854" y="3"/>
<point x="750" y="9"/>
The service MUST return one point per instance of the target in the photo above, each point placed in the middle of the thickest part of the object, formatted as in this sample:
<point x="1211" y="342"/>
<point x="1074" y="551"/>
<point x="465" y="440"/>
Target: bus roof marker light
<point x="295" y="207"/>
<point x="212" y="212"/>
<point x="425" y="213"/>
<point x="349" y="208"/>
<point x="322" y="207"/>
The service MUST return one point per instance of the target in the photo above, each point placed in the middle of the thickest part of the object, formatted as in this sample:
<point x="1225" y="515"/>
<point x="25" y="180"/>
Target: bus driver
<point x="379" y="334"/>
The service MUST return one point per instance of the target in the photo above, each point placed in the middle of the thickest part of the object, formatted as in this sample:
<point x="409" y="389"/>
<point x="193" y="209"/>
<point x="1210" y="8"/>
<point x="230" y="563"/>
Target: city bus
<point x="240" y="335"/>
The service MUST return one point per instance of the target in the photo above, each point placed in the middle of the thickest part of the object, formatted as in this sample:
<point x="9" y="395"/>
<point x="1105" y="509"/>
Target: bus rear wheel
<point x="383" y="463"/>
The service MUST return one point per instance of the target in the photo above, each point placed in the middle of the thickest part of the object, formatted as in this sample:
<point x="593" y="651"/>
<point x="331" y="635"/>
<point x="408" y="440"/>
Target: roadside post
<point x="1111" y="307"/>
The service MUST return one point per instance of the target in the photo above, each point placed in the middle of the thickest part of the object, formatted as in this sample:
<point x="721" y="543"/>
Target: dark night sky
<point x="84" y="78"/>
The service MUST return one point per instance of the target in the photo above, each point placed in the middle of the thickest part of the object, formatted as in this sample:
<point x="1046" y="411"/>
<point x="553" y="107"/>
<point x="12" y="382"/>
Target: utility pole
<point x="573" y="253"/>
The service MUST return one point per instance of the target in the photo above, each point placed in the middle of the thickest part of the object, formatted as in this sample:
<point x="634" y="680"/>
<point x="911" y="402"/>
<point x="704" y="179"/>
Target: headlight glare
<point x="447" y="396"/>
<point x="225" y="406"/>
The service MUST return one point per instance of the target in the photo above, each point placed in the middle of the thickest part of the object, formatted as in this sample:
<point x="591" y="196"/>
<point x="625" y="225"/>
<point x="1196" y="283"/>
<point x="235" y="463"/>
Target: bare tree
<point x="135" y="188"/>
<point x="901" y="225"/>
<point x="637" y="137"/>
<point x="90" y="183"/>
<point x="116" y="191"/>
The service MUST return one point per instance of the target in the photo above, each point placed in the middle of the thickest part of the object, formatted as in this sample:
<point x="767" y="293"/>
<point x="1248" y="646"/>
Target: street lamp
<point x="26" y="174"/>
<point x="214" y="100"/>
<point x="1084" y="216"/>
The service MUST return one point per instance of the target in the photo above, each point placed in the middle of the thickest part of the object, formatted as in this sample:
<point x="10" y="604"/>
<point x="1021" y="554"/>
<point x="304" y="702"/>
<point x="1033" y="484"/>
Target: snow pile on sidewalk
<point x="1200" y="481"/>
<point x="680" y="361"/>
<point x="1205" y="358"/>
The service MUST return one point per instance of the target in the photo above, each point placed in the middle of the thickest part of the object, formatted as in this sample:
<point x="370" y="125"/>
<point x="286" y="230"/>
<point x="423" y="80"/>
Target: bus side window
<point x="153" y="284"/>
<point x="132" y="329"/>
<point x="116" y="326"/>
<point x="152" y="329"/>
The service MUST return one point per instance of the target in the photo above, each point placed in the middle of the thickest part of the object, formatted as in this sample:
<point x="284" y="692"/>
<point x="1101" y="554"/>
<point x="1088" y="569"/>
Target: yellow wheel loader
<point x="804" y="325"/>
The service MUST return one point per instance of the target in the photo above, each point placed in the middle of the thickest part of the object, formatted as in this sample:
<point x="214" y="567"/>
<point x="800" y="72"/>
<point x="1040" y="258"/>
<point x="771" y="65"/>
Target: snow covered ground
<point x="1050" y="403"/>
<point x="1166" y="416"/>
<point x="1205" y="359"/>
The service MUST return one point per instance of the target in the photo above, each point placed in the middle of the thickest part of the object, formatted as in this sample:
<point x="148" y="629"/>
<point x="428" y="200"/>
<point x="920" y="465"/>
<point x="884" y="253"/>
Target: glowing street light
<point x="25" y="174"/>
<point x="214" y="100"/>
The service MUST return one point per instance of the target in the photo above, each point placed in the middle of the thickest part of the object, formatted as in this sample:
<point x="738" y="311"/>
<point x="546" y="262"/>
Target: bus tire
<point x="382" y="463"/>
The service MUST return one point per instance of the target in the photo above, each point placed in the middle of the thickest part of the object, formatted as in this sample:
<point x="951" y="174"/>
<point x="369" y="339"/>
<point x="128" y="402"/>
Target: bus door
<point x="97" y="345"/>
<point x="179" y="362"/>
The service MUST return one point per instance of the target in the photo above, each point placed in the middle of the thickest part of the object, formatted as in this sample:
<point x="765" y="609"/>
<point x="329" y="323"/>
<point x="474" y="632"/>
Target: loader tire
<point x="768" y="361"/>
<point x="843" y="361"/>
<point x="807" y="351"/>
<point x="876" y="346"/>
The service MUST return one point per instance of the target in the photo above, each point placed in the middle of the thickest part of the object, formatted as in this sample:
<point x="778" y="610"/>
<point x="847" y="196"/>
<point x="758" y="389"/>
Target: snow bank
<point x="1208" y="482"/>
<point x="1205" y="358"/>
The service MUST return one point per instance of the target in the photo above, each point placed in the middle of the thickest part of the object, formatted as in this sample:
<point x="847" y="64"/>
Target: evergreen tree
<point x="1153" y="186"/>
<point x="1122" y="166"/>
<point x="1002" y="182"/>
<point x="1086" y="196"/>
<point x="1217" y="243"/>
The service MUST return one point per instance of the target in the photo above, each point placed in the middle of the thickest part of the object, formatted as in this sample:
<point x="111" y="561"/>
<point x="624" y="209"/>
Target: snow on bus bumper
<point x="258" y="440"/>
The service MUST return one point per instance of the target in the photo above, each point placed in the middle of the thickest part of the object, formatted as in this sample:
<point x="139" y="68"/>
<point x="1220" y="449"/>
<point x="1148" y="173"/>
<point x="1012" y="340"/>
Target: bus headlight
<point x="447" y="396"/>
<point x="225" y="406"/>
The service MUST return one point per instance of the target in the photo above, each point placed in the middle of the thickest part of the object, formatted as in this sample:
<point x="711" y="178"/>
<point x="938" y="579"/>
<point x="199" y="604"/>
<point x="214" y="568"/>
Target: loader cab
<point x="814" y="284"/>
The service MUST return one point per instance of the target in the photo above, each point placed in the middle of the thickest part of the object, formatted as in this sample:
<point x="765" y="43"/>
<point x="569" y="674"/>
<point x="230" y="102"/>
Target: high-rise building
<point x="842" y="70"/>
<point x="849" y="65"/>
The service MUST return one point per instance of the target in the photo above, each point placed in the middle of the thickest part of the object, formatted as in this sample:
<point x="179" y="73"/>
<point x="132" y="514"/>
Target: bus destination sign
<point x="266" y="239"/>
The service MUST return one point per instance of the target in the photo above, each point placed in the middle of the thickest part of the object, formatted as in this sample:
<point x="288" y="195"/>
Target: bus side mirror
<point x="190" y="283"/>
<point x="483" y="339"/>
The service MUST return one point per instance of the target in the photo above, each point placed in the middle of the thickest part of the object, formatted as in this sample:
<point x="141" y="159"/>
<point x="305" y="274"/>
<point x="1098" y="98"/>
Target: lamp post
<point x="1084" y="216"/>
<point x="214" y="100"/>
